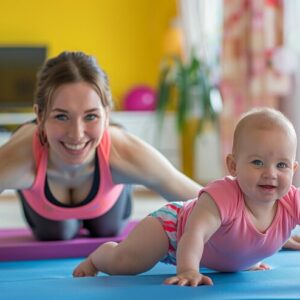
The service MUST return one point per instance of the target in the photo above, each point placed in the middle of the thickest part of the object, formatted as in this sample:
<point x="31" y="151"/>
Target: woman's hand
<point x="190" y="278"/>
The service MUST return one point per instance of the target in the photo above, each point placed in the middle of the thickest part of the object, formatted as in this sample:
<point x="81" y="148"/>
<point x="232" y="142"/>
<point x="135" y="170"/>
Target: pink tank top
<point x="105" y="198"/>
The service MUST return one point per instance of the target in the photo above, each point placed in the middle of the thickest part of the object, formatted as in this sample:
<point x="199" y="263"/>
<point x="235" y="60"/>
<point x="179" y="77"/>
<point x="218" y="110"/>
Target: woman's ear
<point x="36" y="111"/>
<point x="231" y="164"/>
<point x="107" y="113"/>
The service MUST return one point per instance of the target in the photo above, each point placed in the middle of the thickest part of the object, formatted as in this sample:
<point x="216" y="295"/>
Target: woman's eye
<point x="90" y="117"/>
<point x="282" y="165"/>
<point x="257" y="162"/>
<point x="61" y="117"/>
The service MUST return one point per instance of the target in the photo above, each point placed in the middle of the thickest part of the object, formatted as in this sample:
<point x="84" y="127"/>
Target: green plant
<point x="187" y="86"/>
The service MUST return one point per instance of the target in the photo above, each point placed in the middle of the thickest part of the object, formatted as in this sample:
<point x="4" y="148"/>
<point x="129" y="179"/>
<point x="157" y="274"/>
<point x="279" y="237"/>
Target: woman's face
<point x="75" y="124"/>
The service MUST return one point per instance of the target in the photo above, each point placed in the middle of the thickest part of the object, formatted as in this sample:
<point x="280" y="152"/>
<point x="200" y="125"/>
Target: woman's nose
<point x="76" y="130"/>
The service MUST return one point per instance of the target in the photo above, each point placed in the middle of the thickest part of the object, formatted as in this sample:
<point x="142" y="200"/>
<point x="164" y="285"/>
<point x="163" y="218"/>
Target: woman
<point x="71" y="167"/>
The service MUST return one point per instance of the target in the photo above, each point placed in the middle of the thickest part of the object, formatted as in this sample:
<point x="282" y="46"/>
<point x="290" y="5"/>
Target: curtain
<point x="201" y="23"/>
<point x="291" y="105"/>
<point x="252" y="38"/>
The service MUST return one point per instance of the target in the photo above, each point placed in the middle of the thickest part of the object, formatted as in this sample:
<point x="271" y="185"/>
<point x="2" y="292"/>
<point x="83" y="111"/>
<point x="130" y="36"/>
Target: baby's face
<point x="265" y="164"/>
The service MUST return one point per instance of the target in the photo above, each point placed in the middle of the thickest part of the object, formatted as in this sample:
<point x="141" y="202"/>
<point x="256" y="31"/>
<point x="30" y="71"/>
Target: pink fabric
<point x="237" y="244"/>
<point x="106" y="197"/>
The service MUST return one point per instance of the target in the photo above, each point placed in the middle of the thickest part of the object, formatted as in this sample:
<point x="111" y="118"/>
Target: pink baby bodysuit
<point x="237" y="244"/>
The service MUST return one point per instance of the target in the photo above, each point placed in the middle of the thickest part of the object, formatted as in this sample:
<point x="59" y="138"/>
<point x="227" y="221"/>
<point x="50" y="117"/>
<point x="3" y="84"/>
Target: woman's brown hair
<point x="68" y="67"/>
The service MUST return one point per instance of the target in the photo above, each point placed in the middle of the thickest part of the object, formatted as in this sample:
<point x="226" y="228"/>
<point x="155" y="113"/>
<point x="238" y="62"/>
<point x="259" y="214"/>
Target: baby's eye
<point x="282" y="165"/>
<point x="61" y="117"/>
<point x="90" y="117"/>
<point x="257" y="162"/>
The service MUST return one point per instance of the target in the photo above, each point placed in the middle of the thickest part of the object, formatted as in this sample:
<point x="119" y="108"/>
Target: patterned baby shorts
<point x="168" y="217"/>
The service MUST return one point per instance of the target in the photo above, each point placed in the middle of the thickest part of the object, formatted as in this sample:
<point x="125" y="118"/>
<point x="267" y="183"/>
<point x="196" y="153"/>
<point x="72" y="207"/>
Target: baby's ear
<point x="296" y="165"/>
<point x="231" y="164"/>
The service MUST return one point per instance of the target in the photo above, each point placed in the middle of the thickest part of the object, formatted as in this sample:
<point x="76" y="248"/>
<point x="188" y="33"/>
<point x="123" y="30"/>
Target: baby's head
<point x="263" y="154"/>
<point x="262" y="119"/>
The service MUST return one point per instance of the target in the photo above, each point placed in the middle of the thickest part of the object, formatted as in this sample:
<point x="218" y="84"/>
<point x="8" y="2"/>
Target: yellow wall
<point x="126" y="36"/>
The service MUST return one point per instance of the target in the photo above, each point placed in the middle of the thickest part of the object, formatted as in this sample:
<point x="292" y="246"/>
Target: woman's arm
<point x="17" y="168"/>
<point x="203" y="222"/>
<point x="134" y="161"/>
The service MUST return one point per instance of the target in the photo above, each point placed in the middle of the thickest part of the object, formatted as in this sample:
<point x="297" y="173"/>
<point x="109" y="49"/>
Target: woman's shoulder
<point x="123" y="143"/>
<point x="17" y="166"/>
<point x="132" y="156"/>
<point x="20" y="142"/>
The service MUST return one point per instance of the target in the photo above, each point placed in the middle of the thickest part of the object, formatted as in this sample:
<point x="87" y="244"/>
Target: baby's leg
<point x="139" y="252"/>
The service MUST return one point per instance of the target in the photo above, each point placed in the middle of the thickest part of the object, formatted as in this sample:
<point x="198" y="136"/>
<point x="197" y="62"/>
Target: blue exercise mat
<point x="52" y="279"/>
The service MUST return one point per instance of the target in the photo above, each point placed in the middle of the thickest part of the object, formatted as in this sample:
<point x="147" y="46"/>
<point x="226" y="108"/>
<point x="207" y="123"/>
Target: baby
<point x="233" y="224"/>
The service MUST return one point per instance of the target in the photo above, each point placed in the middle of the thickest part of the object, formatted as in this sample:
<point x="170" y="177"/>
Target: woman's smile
<point x="75" y="147"/>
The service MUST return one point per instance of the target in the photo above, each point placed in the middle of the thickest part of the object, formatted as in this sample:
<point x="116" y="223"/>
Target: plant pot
<point x="200" y="153"/>
<point x="187" y="145"/>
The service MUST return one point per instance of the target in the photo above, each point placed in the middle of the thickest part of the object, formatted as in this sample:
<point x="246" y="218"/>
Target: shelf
<point x="15" y="118"/>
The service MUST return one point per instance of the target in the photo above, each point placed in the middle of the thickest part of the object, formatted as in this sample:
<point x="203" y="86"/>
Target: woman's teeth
<point x="74" y="147"/>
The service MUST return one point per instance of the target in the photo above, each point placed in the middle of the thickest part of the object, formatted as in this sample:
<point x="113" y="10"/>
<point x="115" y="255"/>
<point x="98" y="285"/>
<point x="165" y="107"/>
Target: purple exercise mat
<point x="19" y="244"/>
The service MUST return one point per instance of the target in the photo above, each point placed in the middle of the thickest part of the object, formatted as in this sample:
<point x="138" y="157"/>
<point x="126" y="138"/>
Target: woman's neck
<point x="57" y="165"/>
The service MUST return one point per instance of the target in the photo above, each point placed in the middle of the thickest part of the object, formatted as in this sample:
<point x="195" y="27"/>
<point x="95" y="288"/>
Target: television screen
<point x="18" y="71"/>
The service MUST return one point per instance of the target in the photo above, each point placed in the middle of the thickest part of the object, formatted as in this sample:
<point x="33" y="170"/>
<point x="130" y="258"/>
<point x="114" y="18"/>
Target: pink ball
<point x="140" y="98"/>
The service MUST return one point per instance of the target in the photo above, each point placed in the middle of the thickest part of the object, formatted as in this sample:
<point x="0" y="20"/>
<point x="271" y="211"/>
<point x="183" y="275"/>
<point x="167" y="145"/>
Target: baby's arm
<point x="293" y="243"/>
<point x="201" y="225"/>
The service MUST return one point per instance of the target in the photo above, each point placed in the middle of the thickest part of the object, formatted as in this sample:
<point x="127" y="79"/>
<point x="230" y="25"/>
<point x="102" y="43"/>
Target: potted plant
<point x="186" y="89"/>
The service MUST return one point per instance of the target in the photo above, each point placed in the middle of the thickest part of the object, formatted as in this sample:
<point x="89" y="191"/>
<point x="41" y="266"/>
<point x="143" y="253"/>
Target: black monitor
<point x="18" y="70"/>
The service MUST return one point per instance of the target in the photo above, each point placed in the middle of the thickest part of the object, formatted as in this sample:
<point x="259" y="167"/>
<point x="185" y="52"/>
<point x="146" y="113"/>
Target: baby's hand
<point x="293" y="243"/>
<point x="191" y="278"/>
<point x="260" y="267"/>
<point x="85" y="269"/>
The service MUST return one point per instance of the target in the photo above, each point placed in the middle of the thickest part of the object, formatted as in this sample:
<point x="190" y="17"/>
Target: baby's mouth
<point x="267" y="186"/>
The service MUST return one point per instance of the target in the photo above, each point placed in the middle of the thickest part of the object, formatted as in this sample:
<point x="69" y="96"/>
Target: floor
<point x="11" y="215"/>
<point x="52" y="278"/>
